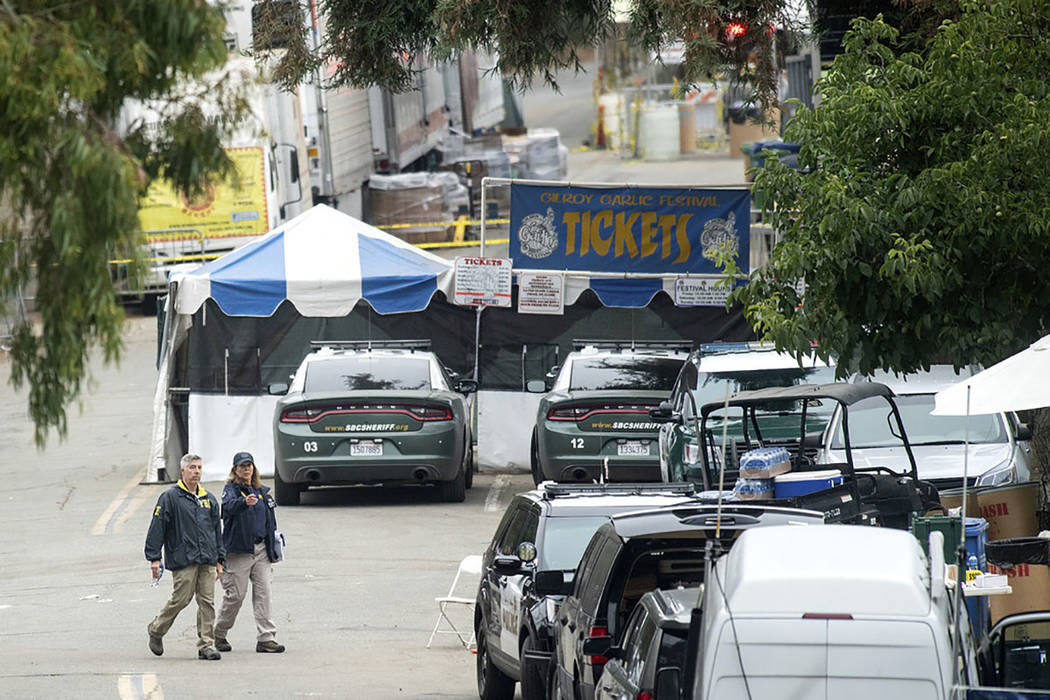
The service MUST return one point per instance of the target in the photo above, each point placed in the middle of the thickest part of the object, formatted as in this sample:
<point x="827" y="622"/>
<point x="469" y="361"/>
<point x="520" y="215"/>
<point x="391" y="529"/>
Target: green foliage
<point x="70" y="182"/>
<point x="917" y="223"/>
<point x="382" y="43"/>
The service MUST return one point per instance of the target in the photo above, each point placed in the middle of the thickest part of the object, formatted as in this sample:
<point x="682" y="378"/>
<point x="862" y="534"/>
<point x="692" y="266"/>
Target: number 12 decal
<point x="576" y="443"/>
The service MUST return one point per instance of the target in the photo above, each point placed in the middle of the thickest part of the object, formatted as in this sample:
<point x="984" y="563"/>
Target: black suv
<point x="626" y="558"/>
<point x="654" y="638"/>
<point x="542" y="530"/>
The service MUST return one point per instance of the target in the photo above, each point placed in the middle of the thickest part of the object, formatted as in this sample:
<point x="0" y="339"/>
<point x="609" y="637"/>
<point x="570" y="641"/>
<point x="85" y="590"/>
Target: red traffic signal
<point x="735" y="30"/>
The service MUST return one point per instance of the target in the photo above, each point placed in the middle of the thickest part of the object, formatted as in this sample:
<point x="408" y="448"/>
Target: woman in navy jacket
<point x="249" y="527"/>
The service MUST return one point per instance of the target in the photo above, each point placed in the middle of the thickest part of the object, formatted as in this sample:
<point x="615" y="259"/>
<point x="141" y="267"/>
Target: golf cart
<point x="870" y="495"/>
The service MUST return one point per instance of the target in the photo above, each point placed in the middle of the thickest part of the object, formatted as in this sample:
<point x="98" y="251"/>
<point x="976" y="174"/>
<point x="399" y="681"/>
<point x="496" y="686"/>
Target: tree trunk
<point x="1039" y="421"/>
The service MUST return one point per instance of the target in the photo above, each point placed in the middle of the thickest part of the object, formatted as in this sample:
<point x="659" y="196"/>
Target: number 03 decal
<point x="310" y="446"/>
<point x="577" y="443"/>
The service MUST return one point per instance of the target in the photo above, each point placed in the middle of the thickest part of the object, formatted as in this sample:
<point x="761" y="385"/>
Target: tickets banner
<point x="630" y="229"/>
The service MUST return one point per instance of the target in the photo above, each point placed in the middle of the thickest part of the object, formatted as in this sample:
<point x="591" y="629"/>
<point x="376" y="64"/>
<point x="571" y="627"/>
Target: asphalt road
<point x="353" y="600"/>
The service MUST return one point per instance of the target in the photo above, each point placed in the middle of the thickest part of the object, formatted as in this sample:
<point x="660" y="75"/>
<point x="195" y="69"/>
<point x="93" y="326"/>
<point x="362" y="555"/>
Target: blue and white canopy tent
<point x="244" y="320"/>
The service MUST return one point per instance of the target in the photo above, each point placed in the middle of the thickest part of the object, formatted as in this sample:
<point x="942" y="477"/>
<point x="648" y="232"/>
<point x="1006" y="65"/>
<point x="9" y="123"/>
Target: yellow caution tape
<point x="434" y="224"/>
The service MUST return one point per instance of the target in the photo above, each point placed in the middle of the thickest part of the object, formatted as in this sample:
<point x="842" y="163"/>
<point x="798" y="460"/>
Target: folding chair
<point x="470" y="565"/>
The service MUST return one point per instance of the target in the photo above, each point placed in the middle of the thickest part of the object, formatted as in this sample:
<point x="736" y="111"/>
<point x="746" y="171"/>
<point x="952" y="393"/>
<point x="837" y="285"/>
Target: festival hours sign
<point x="700" y="291"/>
<point x="627" y="229"/>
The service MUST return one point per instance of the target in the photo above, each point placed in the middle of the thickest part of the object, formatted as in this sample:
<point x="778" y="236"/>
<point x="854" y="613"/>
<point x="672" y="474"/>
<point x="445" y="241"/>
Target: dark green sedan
<point x="594" y="424"/>
<point x="359" y="414"/>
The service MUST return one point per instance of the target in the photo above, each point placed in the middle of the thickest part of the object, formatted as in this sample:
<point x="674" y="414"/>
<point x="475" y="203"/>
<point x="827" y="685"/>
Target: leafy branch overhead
<point x="382" y="43"/>
<point x="917" y="218"/>
<point x="72" y="170"/>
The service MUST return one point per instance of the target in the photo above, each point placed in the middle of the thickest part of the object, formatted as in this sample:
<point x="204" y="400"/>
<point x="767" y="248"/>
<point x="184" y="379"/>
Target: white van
<point x="825" y="613"/>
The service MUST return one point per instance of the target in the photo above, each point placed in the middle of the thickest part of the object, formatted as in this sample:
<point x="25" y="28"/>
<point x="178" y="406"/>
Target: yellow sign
<point x="235" y="206"/>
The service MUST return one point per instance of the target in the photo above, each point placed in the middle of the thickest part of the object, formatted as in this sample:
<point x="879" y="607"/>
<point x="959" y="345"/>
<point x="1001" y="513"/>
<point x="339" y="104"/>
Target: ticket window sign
<point x="541" y="293"/>
<point x="482" y="282"/>
<point x="700" y="291"/>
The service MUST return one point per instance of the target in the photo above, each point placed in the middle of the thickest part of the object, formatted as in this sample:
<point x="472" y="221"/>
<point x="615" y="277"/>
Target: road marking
<point x="106" y="521"/>
<point x="139" y="686"/>
<point x="492" y="503"/>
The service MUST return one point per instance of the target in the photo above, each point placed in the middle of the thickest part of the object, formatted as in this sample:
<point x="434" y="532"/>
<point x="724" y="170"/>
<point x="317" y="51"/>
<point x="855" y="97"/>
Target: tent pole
<point x="481" y="252"/>
<point x="477" y="339"/>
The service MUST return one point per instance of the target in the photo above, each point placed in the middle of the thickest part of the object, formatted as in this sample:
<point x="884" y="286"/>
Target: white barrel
<point x="611" y="104"/>
<point x="658" y="132"/>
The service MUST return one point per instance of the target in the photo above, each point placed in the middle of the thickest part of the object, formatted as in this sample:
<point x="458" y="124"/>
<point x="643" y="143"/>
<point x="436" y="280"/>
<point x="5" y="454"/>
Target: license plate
<point x="633" y="449"/>
<point x="366" y="449"/>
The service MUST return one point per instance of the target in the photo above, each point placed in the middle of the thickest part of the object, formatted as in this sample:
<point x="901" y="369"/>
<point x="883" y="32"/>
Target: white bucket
<point x="611" y="104"/>
<point x="658" y="132"/>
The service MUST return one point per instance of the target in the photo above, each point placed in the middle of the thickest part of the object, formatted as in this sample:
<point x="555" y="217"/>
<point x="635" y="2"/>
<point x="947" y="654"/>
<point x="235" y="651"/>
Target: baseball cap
<point x="242" y="457"/>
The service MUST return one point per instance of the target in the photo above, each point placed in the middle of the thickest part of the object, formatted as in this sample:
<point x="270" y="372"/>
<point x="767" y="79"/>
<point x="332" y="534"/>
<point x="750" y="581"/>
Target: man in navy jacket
<point x="187" y="524"/>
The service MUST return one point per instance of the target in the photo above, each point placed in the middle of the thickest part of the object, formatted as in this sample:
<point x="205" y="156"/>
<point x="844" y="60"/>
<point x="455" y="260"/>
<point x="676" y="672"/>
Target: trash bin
<point x="976" y="544"/>
<point x="1025" y="561"/>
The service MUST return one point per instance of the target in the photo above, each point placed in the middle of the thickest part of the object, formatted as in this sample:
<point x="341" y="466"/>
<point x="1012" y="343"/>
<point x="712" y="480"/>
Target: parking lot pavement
<point x="353" y="602"/>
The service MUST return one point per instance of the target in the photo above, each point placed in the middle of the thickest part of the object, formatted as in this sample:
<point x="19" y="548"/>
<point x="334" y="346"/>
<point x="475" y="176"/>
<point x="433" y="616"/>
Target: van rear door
<point x="878" y="659"/>
<point x="782" y="658"/>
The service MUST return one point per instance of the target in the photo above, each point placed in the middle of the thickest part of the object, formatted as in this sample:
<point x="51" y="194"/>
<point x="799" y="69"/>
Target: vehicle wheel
<point x="493" y="684"/>
<point x="285" y="493"/>
<point x="537" y="471"/>
<point x="454" y="491"/>
<point x="468" y="463"/>
<point x="532" y="686"/>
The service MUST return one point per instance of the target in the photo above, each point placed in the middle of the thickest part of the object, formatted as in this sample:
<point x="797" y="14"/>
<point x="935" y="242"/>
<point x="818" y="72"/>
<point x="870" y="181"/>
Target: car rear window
<point x="368" y="373"/>
<point x="595" y="373"/>
<point x="564" y="540"/>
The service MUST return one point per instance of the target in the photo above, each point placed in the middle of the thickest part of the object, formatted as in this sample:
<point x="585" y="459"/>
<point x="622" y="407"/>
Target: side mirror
<point x="669" y="683"/>
<point x="1024" y="433"/>
<point x="466" y="386"/>
<point x="507" y="564"/>
<point x="598" y="646"/>
<point x="815" y="440"/>
<point x="536" y="386"/>
<point x="664" y="413"/>
<point x="277" y="389"/>
<point x="549" y="582"/>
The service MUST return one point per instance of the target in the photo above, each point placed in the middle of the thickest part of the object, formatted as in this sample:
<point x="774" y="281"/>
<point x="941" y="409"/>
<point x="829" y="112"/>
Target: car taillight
<point x="430" y="412"/>
<point x="644" y="695"/>
<point x="300" y="415"/>
<point x="598" y="631"/>
<point x="567" y="413"/>
<point x="827" y="616"/>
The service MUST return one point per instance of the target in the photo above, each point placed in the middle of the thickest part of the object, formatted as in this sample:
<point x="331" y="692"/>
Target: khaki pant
<point x="195" y="579"/>
<point x="241" y="569"/>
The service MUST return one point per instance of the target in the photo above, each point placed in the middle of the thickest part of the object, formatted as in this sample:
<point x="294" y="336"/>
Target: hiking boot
<point x="156" y="645"/>
<point x="222" y="645"/>
<point x="270" y="647"/>
<point x="209" y="654"/>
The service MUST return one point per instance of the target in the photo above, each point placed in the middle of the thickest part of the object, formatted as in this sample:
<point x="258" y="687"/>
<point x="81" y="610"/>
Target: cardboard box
<point x="1011" y="511"/>
<point x="1031" y="584"/>
<point x="952" y="498"/>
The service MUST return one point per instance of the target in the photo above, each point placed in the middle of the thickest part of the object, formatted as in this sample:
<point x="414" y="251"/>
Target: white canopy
<point x="1018" y="383"/>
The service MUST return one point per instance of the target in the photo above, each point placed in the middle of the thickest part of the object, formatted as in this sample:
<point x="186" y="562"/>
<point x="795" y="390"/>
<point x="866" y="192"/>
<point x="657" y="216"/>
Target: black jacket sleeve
<point x="157" y="527"/>
<point x="232" y="501"/>
<point x="220" y="547"/>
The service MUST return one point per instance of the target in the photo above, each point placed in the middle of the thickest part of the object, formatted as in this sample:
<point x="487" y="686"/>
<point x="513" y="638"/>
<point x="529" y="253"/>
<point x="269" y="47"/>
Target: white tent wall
<point x="504" y="429"/>
<point x="221" y="426"/>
